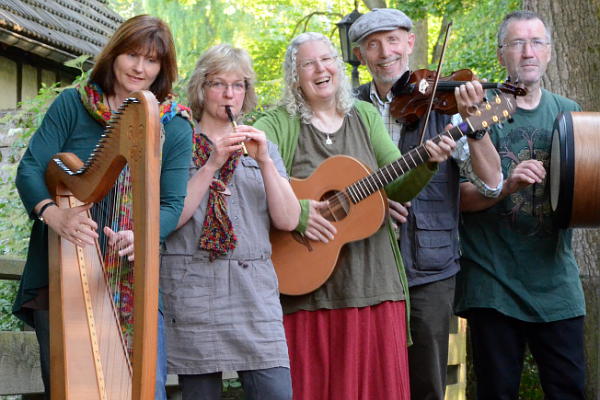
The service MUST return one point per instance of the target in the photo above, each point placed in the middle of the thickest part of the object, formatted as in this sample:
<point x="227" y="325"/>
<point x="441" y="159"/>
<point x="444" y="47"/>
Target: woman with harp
<point x="139" y="56"/>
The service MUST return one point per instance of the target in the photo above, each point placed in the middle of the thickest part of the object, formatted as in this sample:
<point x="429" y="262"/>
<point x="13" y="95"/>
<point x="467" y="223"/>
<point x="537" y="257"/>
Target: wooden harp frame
<point x="133" y="138"/>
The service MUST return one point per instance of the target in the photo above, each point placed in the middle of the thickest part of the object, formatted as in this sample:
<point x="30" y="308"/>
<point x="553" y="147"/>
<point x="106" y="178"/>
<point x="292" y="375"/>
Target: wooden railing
<point x="20" y="365"/>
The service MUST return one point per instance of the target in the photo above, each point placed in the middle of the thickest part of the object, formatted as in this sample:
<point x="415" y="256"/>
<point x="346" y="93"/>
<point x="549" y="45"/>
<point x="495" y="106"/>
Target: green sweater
<point x="283" y="129"/>
<point x="68" y="127"/>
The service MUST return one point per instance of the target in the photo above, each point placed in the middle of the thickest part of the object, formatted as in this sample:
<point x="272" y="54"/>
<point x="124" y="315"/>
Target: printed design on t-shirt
<point x="527" y="210"/>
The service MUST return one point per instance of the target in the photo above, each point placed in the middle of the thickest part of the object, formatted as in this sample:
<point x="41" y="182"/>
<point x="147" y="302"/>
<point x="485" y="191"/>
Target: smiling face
<point x="386" y="55"/>
<point x="525" y="63"/>
<point x="134" y="71"/>
<point x="318" y="71"/>
<point x="220" y="90"/>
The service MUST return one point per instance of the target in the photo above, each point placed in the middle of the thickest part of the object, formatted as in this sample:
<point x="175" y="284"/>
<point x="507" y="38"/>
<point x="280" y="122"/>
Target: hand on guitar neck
<point x="320" y="228"/>
<point x="440" y="151"/>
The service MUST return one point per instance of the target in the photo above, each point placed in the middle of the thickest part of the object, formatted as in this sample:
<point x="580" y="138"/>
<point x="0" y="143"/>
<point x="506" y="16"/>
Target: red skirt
<point x="349" y="353"/>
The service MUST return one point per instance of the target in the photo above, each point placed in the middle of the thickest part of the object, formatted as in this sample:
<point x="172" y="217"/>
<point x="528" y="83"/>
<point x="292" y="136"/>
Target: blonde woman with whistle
<point x="220" y="289"/>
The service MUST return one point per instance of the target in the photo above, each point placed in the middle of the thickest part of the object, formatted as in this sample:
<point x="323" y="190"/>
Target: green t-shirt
<point x="515" y="260"/>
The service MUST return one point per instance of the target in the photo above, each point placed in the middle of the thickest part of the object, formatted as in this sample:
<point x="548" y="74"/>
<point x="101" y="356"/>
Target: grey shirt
<point x="225" y="315"/>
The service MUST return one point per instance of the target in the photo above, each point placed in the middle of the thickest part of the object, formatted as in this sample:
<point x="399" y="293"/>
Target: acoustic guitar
<point x="357" y="204"/>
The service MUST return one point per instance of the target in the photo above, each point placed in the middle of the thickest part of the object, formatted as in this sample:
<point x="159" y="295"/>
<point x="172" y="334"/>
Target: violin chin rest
<point x="400" y="84"/>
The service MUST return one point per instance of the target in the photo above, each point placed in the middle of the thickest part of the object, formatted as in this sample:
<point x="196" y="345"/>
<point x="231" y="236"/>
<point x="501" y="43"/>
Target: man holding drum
<point x="519" y="284"/>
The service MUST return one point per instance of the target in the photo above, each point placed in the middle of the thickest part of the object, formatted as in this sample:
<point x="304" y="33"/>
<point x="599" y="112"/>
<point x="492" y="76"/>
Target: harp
<point x="93" y="355"/>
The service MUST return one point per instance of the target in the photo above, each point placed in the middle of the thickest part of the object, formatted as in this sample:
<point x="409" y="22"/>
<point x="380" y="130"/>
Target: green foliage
<point x="232" y="389"/>
<point x="8" y="290"/>
<point x="263" y="28"/>
<point x="530" y="388"/>
<point x="15" y="225"/>
<point x="473" y="41"/>
<point x="232" y="383"/>
<point x="419" y="9"/>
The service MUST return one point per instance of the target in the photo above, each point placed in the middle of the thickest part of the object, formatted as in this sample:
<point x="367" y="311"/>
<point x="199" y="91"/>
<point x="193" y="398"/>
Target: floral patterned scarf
<point x="94" y="102"/>
<point x="122" y="287"/>
<point x="217" y="235"/>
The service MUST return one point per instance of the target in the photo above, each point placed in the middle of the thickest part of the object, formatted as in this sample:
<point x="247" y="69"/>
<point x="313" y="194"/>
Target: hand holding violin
<point x="467" y="96"/>
<point x="412" y="93"/>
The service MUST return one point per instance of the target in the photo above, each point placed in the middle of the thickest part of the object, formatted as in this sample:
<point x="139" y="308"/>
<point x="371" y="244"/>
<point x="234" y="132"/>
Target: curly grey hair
<point x="221" y="58"/>
<point x="293" y="99"/>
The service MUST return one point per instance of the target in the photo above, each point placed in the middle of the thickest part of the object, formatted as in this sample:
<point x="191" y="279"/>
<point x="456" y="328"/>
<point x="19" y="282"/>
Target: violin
<point x="412" y="93"/>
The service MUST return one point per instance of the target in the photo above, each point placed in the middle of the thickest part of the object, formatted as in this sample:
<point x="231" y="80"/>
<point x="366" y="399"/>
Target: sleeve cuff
<point x="303" y="220"/>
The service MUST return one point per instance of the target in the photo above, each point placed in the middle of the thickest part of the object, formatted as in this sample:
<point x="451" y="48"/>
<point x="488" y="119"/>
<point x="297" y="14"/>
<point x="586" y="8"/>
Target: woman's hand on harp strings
<point x="72" y="224"/>
<point x="121" y="241"/>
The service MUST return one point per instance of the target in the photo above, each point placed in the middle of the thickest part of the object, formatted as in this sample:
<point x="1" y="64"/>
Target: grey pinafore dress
<point x="225" y="315"/>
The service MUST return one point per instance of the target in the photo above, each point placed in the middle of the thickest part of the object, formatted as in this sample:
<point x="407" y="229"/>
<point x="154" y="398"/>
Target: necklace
<point x="328" y="139"/>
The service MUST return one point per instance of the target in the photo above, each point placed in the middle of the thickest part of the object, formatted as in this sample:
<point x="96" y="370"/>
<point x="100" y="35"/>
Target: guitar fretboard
<point x="363" y="188"/>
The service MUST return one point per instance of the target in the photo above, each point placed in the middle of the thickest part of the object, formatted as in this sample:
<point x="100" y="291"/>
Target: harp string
<point x="115" y="212"/>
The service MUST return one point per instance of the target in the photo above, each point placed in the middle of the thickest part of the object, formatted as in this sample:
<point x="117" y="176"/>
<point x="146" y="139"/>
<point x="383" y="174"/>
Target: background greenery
<point x="264" y="28"/>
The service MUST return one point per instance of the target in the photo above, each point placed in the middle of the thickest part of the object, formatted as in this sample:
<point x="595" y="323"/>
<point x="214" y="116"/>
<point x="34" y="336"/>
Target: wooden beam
<point x="11" y="268"/>
<point x="19" y="364"/>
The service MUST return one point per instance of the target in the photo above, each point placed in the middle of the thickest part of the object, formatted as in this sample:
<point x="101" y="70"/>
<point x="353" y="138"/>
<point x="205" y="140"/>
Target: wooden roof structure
<point x="59" y="30"/>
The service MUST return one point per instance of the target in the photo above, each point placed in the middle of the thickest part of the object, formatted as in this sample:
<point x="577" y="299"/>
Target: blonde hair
<point x="222" y="58"/>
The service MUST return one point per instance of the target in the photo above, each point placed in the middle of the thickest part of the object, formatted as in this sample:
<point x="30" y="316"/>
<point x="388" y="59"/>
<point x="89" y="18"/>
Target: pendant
<point x="328" y="140"/>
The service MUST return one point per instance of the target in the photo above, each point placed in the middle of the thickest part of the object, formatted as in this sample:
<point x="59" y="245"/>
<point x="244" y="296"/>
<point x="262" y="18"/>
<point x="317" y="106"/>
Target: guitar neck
<point x="363" y="188"/>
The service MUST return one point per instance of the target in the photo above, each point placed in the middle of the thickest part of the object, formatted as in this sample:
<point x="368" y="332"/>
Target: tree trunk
<point x="418" y="59"/>
<point x="371" y="4"/>
<point x="437" y="48"/>
<point x="573" y="73"/>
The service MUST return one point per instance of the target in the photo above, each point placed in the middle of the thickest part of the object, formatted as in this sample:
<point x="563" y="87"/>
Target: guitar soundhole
<point x="339" y="206"/>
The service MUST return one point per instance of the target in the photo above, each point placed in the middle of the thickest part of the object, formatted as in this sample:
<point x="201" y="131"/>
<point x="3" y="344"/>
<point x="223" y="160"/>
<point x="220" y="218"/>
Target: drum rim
<point x="564" y="204"/>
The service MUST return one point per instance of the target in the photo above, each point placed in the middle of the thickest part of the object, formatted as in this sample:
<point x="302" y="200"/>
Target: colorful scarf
<point x="94" y="102"/>
<point x="122" y="287"/>
<point x="217" y="235"/>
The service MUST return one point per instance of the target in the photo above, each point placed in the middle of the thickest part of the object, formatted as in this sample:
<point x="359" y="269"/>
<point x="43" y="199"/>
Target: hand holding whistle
<point x="232" y="120"/>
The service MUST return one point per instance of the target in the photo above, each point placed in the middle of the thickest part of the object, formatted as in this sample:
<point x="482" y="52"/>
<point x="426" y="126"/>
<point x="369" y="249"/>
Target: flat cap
<point x="378" y="20"/>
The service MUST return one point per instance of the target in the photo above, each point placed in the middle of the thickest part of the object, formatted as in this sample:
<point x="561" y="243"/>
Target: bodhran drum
<point x="575" y="170"/>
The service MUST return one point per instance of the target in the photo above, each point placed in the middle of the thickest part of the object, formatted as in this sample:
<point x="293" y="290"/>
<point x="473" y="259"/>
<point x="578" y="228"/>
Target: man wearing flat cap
<point x="428" y="225"/>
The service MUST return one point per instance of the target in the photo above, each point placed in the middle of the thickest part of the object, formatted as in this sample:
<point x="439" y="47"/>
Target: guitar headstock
<point x="498" y="109"/>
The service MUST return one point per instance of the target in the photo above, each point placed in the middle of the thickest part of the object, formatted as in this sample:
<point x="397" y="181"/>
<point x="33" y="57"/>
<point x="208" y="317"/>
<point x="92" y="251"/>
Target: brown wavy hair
<point x="141" y="34"/>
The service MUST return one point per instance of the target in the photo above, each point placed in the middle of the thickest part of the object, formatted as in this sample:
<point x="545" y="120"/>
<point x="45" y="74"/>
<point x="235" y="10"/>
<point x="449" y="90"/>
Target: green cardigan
<point x="68" y="127"/>
<point x="283" y="130"/>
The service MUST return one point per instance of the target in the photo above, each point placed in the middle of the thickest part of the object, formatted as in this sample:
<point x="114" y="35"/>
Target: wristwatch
<point x="478" y="134"/>
<point x="44" y="207"/>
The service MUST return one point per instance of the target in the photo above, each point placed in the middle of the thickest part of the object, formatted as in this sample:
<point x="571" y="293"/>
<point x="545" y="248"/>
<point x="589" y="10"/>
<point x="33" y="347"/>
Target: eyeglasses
<point x="310" y="65"/>
<point x="219" y="86"/>
<point x="519" y="44"/>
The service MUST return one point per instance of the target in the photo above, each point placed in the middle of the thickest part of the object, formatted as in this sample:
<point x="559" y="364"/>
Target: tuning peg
<point x="510" y="120"/>
<point x="485" y="100"/>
